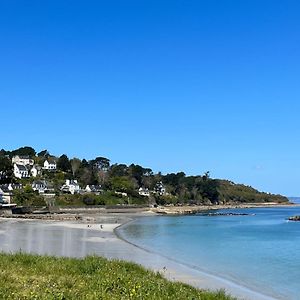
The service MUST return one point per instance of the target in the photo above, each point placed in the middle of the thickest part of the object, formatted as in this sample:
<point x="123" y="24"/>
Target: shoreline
<point x="82" y="213"/>
<point x="117" y="247"/>
<point x="177" y="210"/>
<point x="178" y="271"/>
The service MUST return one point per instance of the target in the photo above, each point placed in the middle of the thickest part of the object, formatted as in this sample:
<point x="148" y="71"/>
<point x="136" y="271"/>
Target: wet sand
<point x="96" y="235"/>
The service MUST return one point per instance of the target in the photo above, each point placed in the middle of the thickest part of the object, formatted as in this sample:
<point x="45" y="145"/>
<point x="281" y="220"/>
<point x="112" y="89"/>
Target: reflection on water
<point x="48" y="238"/>
<point x="51" y="238"/>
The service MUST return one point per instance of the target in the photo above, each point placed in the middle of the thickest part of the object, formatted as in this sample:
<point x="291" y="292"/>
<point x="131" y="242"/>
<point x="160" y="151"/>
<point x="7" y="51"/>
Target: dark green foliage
<point x="63" y="164"/>
<point x="68" y="199"/>
<point x="6" y="169"/>
<point x="86" y="174"/>
<point x="138" y="173"/>
<point x="118" y="170"/>
<point x="28" y="197"/>
<point x="89" y="200"/>
<point x="4" y="152"/>
<point x="111" y="198"/>
<point x="43" y="153"/>
<point x="208" y="188"/>
<point x="24" y="151"/>
<point x="26" y="276"/>
<point x="239" y="193"/>
<point x="107" y="198"/>
<point x="100" y="163"/>
<point x="121" y="184"/>
<point x="191" y="189"/>
<point x="173" y="179"/>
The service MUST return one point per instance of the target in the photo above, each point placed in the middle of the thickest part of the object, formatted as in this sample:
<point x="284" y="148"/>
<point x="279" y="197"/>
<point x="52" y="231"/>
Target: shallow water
<point x="45" y="238"/>
<point x="261" y="251"/>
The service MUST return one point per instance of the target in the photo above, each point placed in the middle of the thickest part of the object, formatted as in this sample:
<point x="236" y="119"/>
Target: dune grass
<point x="24" y="276"/>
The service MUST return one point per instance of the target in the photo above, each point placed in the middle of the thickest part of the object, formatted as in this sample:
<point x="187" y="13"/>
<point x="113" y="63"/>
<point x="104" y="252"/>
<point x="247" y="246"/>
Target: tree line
<point x="178" y="187"/>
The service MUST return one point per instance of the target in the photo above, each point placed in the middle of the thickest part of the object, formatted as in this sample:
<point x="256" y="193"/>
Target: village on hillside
<point x="50" y="177"/>
<point x="32" y="179"/>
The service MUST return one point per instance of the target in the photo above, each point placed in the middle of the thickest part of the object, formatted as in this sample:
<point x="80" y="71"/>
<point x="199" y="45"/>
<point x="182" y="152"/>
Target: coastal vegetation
<point x="25" y="276"/>
<point x="121" y="183"/>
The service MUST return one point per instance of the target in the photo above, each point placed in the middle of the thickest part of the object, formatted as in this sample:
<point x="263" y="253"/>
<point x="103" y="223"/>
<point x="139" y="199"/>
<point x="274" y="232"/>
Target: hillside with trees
<point x="119" y="183"/>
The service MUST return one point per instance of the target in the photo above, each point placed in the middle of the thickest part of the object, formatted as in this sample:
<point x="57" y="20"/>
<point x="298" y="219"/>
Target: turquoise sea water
<point x="260" y="251"/>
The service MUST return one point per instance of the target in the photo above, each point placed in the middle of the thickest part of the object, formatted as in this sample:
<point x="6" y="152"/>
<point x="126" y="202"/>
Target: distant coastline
<point x="79" y="213"/>
<point x="295" y="200"/>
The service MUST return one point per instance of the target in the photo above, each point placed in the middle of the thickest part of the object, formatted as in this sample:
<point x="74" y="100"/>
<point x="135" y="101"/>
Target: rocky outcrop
<point x="226" y="214"/>
<point x="294" y="218"/>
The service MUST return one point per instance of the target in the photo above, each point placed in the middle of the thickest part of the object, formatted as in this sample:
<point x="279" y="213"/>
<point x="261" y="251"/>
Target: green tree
<point x="63" y="164"/>
<point x="28" y="197"/>
<point x="24" y="151"/>
<point x="121" y="184"/>
<point x="75" y="165"/>
<point x="139" y="173"/>
<point x="118" y="170"/>
<point x="6" y="170"/>
<point x="100" y="163"/>
<point x="4" y="152"/>
<point x="43" y="153"/>
<point x="86" y="176"/>
<point x="208" y="188"/>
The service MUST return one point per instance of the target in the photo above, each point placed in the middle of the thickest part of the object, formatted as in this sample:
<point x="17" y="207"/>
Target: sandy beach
<point x="117" y="248"/>
<point x="99" y="235"/>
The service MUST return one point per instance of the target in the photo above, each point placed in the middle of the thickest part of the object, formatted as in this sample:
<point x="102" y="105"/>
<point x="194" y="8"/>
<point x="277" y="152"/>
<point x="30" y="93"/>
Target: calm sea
<point x="259" y="251"/>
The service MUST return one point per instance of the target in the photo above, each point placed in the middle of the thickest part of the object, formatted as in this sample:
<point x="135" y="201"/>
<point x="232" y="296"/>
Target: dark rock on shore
<point x="294" y="218"/>
<point x="226" y="214"/>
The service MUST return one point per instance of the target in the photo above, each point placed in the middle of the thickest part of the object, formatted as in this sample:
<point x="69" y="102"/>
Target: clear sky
<point x="171" y="85"/>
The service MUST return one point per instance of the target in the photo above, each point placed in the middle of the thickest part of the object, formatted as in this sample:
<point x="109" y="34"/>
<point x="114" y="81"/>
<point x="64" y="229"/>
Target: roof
<point x="24" y="156"/>
<point x="39" y="182"/>
<point x="50" y="160"/>
<point x="21" y="167"/>
<point x="17" y="186"/>
<point x="74" y="182"/>
<point x="94" y="188"/>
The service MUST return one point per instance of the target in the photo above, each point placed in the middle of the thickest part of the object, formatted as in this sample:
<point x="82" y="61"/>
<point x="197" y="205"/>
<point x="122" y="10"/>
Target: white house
<point x="22" y="160"/>
<point x="15" y="186"/>
<point x="90" y="188"/>
<point x="71" y="186"/>
<point x="41" y="186"/>
<point x="144" y="192"/>
<point x="20" y="171"/>
<point x="123" y="194"/>
<point x="160" y="189"/>
<point x="49" y="165"/>
<point x="5" y="193"/>
<point x="35" y="170"/>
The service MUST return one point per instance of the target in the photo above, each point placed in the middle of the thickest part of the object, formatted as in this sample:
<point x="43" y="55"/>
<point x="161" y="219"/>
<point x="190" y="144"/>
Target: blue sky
<point x="172" y="85"/>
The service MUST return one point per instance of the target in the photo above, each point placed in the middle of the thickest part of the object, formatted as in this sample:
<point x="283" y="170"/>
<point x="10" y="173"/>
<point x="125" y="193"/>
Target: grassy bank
<point x="24" y="276"/>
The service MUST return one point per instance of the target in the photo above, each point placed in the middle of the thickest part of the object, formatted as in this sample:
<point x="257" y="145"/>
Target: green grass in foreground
<point x="24" y="276"/>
